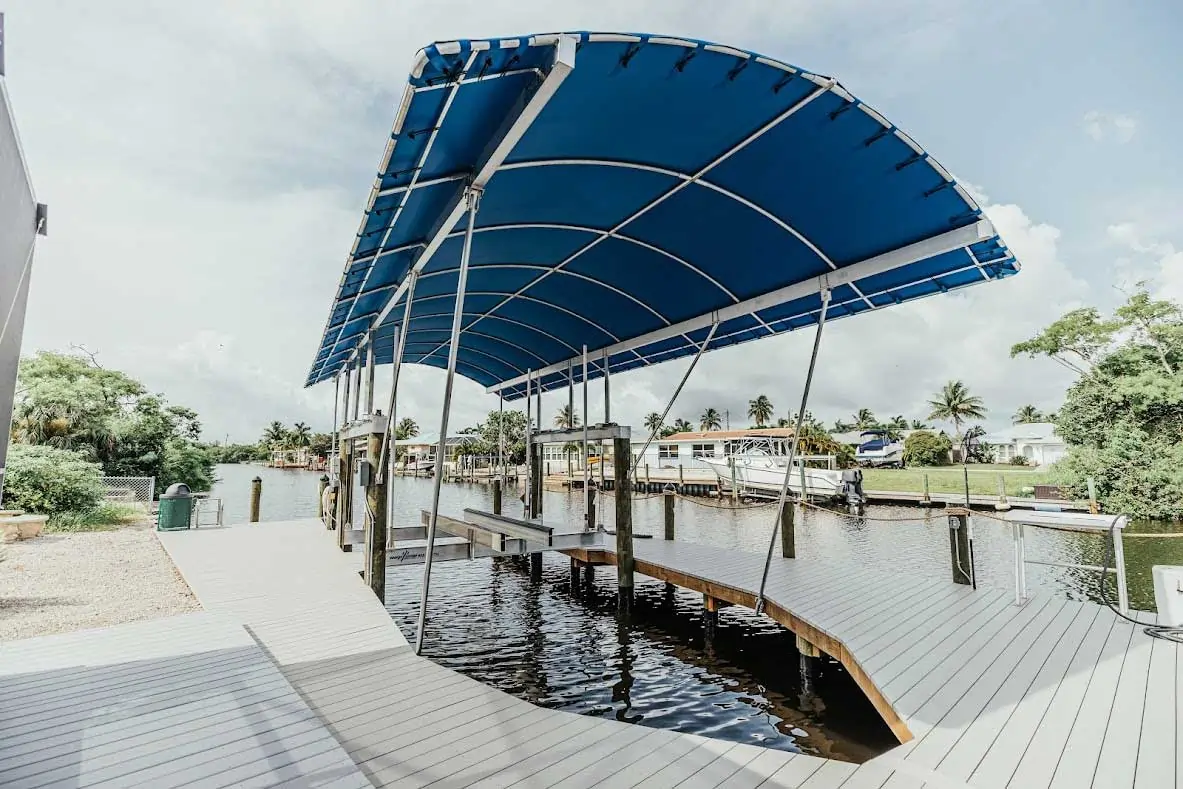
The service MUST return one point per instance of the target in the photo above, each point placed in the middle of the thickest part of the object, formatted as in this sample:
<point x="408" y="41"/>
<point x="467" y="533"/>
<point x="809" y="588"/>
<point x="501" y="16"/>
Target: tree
<point x="275" y="435"/>
<point x="1075" y="340"/>
<point x="710" y="420"/>
<point x="320" y="444"/>
<point x="842" y="427"/>
<point x="1026" y="415"/>
<point x="407" y="428"/>
<point x="919" y="425"/>
<point x="567" y="418"/>
<point x="69" y="401"/>
<point x="760" y="410"/>
<point x="926" y="448"/>
<point x="506" y="426"/>
<point x="652" y="422"/>
<point x="955" y="404"/>
<point x="300" y="434"/>
<point x="865" y="420"/>
<point x="682" y="426"/>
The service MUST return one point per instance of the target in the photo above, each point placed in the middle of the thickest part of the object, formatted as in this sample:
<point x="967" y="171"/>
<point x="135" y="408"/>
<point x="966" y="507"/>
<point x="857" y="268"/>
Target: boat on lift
<point x="878" y="448"/>
<point x="760" y="463"/>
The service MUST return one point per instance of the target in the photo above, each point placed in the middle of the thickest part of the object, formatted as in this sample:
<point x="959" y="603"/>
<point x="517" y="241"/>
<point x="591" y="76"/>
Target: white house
<point x="1036" y="441"/>
<point x="685" y="449"/>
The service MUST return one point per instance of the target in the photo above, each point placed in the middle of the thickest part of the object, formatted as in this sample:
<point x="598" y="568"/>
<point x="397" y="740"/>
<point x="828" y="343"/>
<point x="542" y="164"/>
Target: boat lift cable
<point x="784" y="488"/>
<point x="657" y="428"/>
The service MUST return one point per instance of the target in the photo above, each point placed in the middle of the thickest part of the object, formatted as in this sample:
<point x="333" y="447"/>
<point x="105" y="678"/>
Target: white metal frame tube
<point x="472" y="197"/>
<point x="587" y="524"/>
<point x="370" y="370"/>
<point x="333" y="448"/>
<point x="501" y="438"/>
<point x="784" y="488"/>
<point x="392" y="407"/>
<point x="529" y="492"/>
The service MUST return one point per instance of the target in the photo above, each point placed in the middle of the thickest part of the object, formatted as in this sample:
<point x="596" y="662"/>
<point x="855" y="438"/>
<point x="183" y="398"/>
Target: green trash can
<point x="176" y="508"/>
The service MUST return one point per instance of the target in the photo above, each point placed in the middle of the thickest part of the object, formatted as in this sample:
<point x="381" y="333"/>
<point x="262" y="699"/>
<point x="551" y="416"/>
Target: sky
<point x="206" y="166"/>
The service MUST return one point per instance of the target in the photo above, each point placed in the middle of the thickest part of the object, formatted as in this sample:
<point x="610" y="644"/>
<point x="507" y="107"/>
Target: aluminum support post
<point x="587" y="519"/>
<point x="370" y="379"/>
<point x="784" y="487"/>
<point x="472" y="197"/>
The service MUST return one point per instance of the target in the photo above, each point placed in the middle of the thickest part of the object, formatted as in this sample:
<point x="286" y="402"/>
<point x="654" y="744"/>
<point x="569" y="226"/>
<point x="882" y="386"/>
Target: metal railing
<point x="203" y="508"/>
<point x="130" y="490"/>
<point x="1064" y="521"/>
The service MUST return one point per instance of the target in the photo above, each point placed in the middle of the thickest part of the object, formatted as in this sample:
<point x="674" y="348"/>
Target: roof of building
<point x="1031" y="433"/>
<point x="726" y="435"/>
<point x="637" y="191"/>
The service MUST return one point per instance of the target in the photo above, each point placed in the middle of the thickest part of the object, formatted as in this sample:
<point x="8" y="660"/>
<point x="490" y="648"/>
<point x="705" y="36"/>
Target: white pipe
<point x="472" y="197"/>
<point x="587" y="524"/>
<point x="784" y="488"/>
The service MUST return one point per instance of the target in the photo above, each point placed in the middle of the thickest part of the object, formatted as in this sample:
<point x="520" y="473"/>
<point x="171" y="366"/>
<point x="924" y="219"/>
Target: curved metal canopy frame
<point x="476" y="110"/>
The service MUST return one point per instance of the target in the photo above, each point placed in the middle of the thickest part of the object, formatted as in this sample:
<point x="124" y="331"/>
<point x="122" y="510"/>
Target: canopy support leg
<point x="587" y="513"/>
<point x="388" y="457"/>
<point x="784" y="488"/>
<point x="501" y="436"/>
<point x="693" y="363"/>
<point x="370" y="369"/>
<point x="472" y="196"/>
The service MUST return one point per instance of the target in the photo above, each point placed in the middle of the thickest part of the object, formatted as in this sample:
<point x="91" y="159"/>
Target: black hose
<point x="1165" y="632"/>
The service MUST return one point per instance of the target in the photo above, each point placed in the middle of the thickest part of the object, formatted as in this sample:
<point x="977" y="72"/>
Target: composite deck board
<point x="996" y="695"/>
<point x="162" y="703"/>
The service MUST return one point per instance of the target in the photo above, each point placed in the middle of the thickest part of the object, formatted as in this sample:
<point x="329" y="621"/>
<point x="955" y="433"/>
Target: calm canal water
<point x="542" y="643"/>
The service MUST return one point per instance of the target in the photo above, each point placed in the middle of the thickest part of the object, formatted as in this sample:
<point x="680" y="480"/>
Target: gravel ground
<point x="62" y="582"/>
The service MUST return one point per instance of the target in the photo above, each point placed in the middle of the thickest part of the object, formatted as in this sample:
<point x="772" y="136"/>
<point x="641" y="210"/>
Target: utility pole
<point x="727" y="419"/>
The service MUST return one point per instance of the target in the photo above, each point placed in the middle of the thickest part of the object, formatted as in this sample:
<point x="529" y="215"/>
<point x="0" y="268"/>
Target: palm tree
<point x="761" y="410"/>
<point x="865" y="420"/>
<point x="842" y="427"/>
<point x="1026" y="415"/>
<point x="710" y="420"/>
<point x="567" y="418"/>
<point x="653" y="422"/>
<point x="682" y="426"/>
<point x="920" y="425"/>
<point x="275" y="434"/>
<point x="955" y="404"/>
<point x="407" y="428"/>
<point x="301" y="434"/>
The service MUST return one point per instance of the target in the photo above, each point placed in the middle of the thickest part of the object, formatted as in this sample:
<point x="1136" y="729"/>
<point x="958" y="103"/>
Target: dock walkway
<point x="295" y="675"/>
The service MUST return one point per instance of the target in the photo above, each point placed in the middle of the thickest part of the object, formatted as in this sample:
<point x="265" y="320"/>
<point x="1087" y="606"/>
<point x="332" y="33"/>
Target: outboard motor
<point x="852" y="490"/>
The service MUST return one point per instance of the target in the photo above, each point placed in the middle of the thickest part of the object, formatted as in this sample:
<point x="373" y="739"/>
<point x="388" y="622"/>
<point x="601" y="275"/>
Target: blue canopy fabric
<point x="665" y="185"/>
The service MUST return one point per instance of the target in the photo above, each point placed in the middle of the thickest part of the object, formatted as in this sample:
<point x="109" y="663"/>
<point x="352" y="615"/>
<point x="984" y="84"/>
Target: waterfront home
<point x="1036" y="441"/>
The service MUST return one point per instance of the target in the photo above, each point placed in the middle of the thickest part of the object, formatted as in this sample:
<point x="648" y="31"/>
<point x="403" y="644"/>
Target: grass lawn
<point x="105" y="517"/>
<point x="983" y="479"/>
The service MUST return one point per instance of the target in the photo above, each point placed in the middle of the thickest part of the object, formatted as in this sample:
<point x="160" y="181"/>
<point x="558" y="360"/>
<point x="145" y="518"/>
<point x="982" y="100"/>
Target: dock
<point x="295" y="675"/>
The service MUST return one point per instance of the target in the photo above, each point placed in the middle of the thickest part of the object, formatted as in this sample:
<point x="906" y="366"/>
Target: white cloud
<point x="1157" y="262"/>
<point x="206" y="166"/>
<point x="1104" y="126"/>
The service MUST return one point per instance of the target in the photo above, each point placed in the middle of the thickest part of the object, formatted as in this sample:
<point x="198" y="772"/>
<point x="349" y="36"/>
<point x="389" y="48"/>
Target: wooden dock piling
<point x="535" y="568"/>
<point x="256" y="498"/>
<point x="375" y="562"/>
<point x="345" y="494"/>
<point x="622" y="454"/>
<point x="959" y="553"/>
<point x="668" y="498"/>
<point x="788" y="534"/>
<point x="496" y="497"/>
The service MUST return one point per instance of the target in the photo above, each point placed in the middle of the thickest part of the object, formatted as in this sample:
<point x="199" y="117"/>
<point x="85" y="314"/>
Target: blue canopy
<point x="637" y="190"/>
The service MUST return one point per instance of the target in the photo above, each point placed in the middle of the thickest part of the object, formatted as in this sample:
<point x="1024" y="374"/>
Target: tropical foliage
<point x="1123" y="418"/>
<point x="1026" y="415"/>
<point x="70" y="402"/>
<point x="506" y="426"/>
<point x="652" y="422"/>
<point x="567" y="418"/>
<point x="760" y="410"/>
<point x="407" y="428"/>
<point x="48" y="480"/>
<point x="926" y="448"/>
<point x="710" y="420"/>
<point x="954" y="403"/>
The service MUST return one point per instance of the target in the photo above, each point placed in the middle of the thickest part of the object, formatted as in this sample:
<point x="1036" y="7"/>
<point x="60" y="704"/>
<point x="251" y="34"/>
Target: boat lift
<point x="532" y="222"/>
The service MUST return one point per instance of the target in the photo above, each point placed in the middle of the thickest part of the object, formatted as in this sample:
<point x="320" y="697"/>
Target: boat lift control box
<point x="363" y="473"/>
<point x="1168" y="594"/>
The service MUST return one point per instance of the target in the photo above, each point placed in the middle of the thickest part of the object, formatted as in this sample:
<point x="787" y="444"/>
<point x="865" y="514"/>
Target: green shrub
<point x="1019" y="460"/>
<point x="49" y="481"/>
<point x="926" y="448"/>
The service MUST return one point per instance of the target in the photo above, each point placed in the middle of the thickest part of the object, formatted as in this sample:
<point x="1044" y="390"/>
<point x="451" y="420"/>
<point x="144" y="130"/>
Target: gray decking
<point x="296" y="673"/>
<point x="186" y="701"/>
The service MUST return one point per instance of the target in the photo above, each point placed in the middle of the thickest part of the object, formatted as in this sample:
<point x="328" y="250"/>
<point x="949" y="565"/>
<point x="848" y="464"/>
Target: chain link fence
<point x="130" y="490"/>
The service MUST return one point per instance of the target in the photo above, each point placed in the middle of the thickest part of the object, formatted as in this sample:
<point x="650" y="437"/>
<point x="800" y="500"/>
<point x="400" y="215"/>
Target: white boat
<point x="877" y="448"/>
<point x="760" y="465"/>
